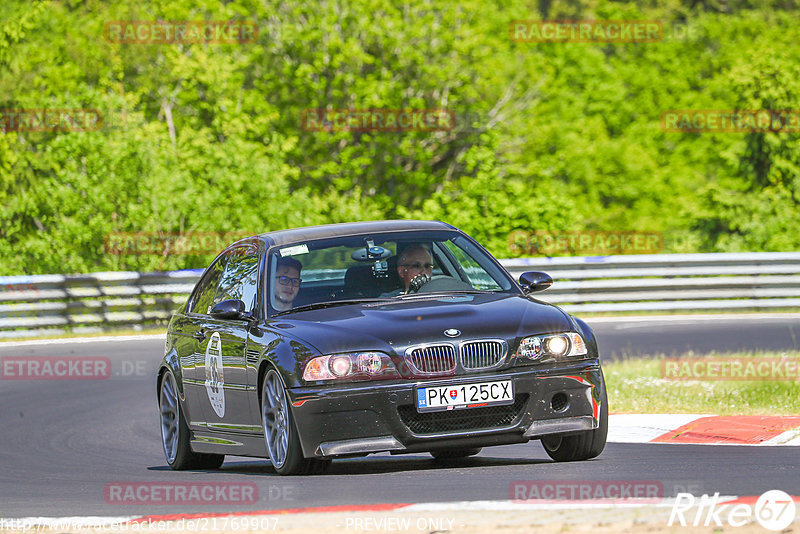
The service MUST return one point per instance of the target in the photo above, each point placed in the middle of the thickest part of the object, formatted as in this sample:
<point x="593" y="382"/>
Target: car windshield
<point x="379" y="266"/>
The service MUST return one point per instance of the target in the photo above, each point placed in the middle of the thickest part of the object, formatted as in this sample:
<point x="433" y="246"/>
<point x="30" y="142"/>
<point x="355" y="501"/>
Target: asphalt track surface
<point x="64" y="441"/>
<point x="701" y="334"/>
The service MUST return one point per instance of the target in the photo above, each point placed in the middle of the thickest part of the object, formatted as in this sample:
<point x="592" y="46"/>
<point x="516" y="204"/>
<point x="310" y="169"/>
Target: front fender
<point x="284" y="352"/>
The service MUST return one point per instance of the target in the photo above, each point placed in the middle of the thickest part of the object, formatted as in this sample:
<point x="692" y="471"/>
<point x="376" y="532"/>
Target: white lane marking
<point x="541" y="504"/>
<point x="70" y="340"/>
<point x="790" y="437"/>
<point x="692" y="318"/>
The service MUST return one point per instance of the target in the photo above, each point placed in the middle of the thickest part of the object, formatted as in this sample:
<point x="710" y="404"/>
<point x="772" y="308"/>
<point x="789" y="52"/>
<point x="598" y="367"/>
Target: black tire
<point x="583" y="446"/>
<point x="179" y="454"/>
<point x="452" y="454"/>
<point x="277" y="418"/>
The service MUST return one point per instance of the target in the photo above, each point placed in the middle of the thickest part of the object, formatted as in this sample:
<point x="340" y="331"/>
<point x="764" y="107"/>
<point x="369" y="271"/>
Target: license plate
<point x="461" y="396"/>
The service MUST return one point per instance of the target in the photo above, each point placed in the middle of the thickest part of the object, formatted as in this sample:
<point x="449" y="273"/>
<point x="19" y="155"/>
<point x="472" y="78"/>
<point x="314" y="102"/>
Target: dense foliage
<point x="549" y="136"/>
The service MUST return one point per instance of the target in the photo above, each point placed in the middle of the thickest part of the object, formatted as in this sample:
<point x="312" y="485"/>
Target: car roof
<point x="310" y="233"/>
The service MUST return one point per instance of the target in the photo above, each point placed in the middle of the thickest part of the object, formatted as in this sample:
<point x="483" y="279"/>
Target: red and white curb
<point x="704" y="429"/>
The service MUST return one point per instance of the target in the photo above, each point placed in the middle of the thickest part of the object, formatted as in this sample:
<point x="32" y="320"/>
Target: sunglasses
<point x="285" y="281"/>
<point x="417" y="265"/>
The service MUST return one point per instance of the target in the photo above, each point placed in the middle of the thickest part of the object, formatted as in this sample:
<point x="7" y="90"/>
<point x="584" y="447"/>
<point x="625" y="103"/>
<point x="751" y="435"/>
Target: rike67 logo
<point x="774" y="510"/>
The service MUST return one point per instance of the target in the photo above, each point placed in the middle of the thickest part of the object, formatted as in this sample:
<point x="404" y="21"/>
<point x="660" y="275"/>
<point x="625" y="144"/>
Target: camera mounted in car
<point x="375" y="254"/>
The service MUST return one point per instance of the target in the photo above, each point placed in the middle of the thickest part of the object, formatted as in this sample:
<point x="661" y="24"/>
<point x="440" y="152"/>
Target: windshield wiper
<point x="444" y="293"/>
<point x="328" y="304"/>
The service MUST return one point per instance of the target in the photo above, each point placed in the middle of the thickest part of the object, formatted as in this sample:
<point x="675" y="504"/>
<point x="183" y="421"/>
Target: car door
<point x="227" y="404"/>
<point x="191" y="341"/>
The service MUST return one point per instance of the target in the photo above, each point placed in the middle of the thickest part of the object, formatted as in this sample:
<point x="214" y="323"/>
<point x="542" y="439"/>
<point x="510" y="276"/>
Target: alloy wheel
<point x="170" y="417"/>
<point x="275" y="416"/>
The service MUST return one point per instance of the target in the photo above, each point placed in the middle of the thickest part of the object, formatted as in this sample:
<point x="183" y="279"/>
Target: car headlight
<point x="565" y="345"/>
<point x="350" y="366"/>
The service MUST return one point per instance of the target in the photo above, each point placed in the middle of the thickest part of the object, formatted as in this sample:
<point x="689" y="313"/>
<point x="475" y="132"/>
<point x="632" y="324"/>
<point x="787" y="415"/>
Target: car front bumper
<point x="366" y="417"/>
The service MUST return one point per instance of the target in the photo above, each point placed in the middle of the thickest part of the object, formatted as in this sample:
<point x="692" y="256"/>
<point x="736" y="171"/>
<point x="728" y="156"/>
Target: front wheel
<point x="175" y="432"/>
<point x="583" y="446"/>
<point x="280" y="432"/>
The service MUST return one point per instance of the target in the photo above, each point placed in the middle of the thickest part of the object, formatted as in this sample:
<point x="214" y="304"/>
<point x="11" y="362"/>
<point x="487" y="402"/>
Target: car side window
<point x="240" y="278"/>
<point x="207" y="289"/>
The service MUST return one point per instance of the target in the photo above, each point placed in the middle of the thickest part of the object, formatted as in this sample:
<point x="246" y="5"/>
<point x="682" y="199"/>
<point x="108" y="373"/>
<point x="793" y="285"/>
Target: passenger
<point x="287" y="283"/>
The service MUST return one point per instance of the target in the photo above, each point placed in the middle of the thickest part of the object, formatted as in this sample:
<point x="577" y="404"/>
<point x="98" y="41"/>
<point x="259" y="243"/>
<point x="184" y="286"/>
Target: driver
<point x="414" y="267"/>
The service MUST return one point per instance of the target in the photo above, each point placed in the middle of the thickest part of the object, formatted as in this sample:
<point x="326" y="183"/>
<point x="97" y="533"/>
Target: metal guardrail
<point x="53" y="304"/>
<point x="669" y="282"/>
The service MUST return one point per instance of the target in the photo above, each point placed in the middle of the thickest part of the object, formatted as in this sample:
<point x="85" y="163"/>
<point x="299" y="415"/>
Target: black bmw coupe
<point x="342" y="340"/>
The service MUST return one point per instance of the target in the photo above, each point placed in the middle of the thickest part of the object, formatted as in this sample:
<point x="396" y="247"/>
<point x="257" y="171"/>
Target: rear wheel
<point x="280" y="432"/>
<point x="175" y="435"/>
<point x="450" y="454"/>
<point x="582" y="446"/>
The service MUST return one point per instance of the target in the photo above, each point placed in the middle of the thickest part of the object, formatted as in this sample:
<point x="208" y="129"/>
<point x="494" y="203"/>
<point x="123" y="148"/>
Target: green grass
<point x="635" y="385"/>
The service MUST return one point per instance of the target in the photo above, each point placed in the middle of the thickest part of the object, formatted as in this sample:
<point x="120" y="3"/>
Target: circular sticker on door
<point x="214" y="377"/>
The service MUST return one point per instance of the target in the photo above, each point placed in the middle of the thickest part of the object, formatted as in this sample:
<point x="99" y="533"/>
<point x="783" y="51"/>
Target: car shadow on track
<point x="383" y="464"/>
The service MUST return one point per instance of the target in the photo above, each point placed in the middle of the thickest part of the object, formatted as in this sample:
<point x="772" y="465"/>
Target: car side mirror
<point x="228" y="309"/>
<point x="533" y="281"/>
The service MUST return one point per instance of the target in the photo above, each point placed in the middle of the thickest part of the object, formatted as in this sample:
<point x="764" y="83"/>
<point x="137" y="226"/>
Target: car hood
<point x="394" y="325"/>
